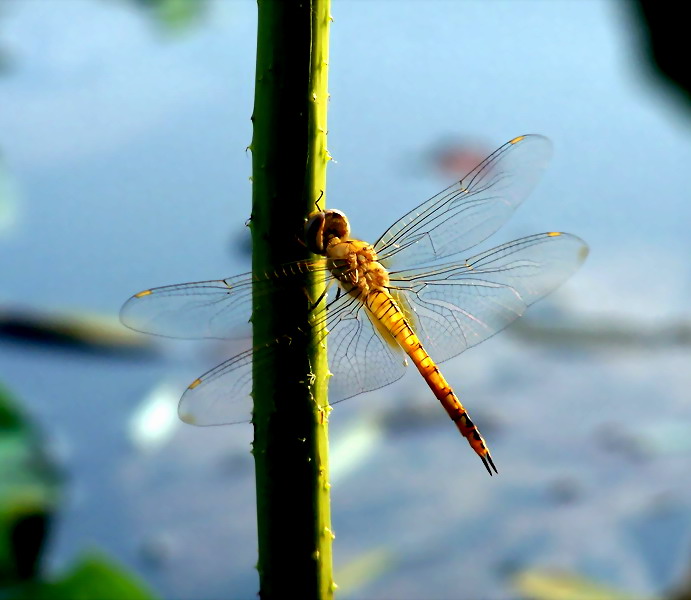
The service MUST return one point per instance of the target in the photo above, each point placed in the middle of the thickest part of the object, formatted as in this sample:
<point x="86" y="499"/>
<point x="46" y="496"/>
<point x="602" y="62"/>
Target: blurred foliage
<point x="90" y="334"/>
<point x="173" y="15"/>
<point x="5" y="62"/>
<point x="683" y="590"/>
<point x="535" y="584"/>
<point x="545" y="585"/>
<point x="5" y="59"/>
<point x="591" y="332"/>
<point x="93" y="577"/>
<point x="29" y="493"/>
<point x="30" y="485"/>
<point x="366" y="568"/>
<point x="664" y="28"/>
<point x="8" y="196"/>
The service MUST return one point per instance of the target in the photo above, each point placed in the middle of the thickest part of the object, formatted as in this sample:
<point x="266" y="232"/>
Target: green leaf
<point x="94" y="577"/>
<point x="29" y="490"/>
<point x="174" y="15"/>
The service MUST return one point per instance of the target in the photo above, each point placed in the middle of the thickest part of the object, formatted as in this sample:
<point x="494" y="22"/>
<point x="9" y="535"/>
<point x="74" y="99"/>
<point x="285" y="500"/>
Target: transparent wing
<point x="470" y="210"/>
<point x="362" y="357"/>
<point x="455" y="306"/>
<point x="452" y="307"/>
<point x="360" y="360"/>
<point x="222" y="396"/>
<point x="208" y="309"/>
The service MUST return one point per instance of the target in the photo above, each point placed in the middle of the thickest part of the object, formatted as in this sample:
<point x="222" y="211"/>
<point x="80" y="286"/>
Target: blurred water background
<point x="124" y="166"/>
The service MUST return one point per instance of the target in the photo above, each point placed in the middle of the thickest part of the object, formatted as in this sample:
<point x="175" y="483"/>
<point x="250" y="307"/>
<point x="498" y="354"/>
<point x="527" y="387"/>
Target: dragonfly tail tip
<point x="488" y="462"/>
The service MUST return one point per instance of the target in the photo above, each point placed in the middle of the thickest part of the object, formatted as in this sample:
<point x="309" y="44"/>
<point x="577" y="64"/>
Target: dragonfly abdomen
<point x="387" y="312"/>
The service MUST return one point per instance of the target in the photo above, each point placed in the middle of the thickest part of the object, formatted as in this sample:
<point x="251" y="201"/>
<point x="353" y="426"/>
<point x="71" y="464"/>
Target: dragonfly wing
<point x="469" y="211"/>
<point x="359" y="360"/>
<point x="362" y="356"/>
<point x="222" y="396"/>
<point x="207" y="309"/>
<point x="456" y="306"/>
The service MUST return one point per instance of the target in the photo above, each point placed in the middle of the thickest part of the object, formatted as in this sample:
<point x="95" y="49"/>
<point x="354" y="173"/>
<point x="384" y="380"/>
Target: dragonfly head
<point x="324" y="225"/>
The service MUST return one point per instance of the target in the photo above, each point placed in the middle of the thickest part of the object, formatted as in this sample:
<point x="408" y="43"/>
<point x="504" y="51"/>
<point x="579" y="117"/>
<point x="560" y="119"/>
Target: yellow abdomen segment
<point x="387" y="312"/>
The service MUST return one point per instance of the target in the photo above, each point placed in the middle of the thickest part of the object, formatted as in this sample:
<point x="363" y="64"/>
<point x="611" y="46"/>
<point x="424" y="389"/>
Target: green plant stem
<point x="289" y="174"/>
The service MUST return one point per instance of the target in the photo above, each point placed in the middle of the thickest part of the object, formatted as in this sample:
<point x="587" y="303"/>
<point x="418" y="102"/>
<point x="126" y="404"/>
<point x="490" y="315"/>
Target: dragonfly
<point x="398" y="301"/>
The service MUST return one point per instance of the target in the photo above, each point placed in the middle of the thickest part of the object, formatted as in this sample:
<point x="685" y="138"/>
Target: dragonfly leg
<point x="314" y="305"/>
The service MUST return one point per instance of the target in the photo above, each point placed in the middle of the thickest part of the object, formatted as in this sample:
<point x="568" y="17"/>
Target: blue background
<point x="125" y="145"/>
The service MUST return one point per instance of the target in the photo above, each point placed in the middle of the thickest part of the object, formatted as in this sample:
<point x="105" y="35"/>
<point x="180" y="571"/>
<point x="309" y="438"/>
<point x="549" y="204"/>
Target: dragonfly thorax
<point x="354" y="263"/>
<point x="322" y="227"/>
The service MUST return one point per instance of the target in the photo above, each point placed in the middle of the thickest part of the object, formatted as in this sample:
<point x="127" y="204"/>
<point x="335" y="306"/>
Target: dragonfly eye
<point x="336" y="225"/>
<point x="322" y="226"/>
<point x="314" y="232"/>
